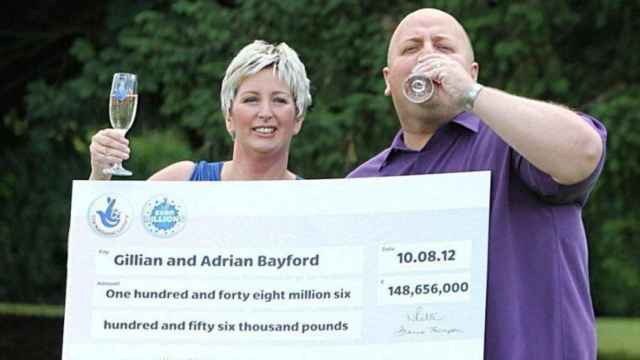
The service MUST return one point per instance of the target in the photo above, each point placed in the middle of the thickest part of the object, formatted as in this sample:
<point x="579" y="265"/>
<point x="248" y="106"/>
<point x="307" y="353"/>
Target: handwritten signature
<point x="403" y="331"/>
<point x="423" y="316"/>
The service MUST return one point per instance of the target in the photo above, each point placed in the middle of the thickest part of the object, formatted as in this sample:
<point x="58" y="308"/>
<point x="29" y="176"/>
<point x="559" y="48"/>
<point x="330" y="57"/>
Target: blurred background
<point x="58" y="58"/>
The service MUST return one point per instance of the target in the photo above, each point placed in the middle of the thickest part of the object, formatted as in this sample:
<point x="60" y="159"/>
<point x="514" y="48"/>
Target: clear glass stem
<point x="117" y="169"/>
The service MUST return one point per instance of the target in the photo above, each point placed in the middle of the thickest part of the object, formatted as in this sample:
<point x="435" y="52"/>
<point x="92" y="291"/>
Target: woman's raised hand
<point x="108" y="146"/>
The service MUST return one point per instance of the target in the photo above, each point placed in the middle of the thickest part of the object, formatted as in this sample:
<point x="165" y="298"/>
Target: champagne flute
<point x="418" y="88"/>
<point x="123" y="103"/>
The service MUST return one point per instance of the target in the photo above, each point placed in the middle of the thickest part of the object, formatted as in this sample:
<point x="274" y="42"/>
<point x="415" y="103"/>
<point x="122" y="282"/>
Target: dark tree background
<point x="58" y="59"/>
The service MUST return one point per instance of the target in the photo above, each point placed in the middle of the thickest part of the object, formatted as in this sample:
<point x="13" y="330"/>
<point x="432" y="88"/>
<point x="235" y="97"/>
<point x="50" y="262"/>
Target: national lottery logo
<point x="109" y="215"/>
<point x="163" y="216"/>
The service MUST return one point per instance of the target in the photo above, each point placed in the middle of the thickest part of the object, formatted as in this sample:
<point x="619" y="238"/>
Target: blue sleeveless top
<point x="210" y="171"/>
<point x="207" y="171"/>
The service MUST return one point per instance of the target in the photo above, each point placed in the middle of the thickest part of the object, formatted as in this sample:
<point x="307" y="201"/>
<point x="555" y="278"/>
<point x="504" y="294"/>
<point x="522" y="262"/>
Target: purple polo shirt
<point x="538" y="300"/>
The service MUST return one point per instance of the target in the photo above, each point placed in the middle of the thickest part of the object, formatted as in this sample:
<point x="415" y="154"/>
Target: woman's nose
<point x="265" y="112"/>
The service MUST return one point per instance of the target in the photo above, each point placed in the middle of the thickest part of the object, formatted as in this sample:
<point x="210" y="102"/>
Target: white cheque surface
<point x="375" y="268"/>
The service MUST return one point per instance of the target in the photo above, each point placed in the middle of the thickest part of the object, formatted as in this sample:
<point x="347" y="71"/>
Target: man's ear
<point x="475" y="70"/>
<point x="387" y="87"/>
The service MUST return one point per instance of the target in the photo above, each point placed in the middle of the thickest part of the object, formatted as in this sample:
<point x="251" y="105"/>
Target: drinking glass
<point x="123" y="103"/>
<point x="418" y="88"/>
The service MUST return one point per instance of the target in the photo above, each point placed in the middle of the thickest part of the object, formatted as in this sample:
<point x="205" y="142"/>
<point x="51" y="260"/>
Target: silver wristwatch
<point x="470" y="96"/>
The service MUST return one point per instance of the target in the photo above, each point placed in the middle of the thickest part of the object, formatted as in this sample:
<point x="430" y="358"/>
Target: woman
<point x="264" y="97"/>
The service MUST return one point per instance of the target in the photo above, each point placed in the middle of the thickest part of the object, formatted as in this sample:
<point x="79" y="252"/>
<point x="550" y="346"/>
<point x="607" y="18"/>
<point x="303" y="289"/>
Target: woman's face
<point x="263" y="114"/>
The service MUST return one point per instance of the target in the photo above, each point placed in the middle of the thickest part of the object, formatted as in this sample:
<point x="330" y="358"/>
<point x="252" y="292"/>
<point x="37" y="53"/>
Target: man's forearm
<point x="553" y="138"/>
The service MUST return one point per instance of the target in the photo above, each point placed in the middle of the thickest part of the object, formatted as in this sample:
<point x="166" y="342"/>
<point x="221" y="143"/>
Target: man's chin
<point x="425" y="117"/>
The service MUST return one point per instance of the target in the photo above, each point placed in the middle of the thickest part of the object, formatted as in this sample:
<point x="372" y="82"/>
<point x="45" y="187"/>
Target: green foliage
<point x="582" y="54"/>
<point x="614" y="215"/>
<point x="34" y="221"/>
<point x="156" y="150"/>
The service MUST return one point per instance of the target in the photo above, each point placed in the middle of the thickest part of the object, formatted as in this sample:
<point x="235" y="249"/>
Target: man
<point x="544" y="159"/>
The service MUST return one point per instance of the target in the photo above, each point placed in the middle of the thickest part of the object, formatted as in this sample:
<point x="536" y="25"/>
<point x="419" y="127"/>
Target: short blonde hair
<point x="260" y="55"/>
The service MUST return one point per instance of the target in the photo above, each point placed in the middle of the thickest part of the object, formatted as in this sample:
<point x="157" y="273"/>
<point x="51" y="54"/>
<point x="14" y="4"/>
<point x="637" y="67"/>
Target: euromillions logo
<point x="120" y="93"/>
<point x="163" y="217"/>
<point x="109" y="215"/>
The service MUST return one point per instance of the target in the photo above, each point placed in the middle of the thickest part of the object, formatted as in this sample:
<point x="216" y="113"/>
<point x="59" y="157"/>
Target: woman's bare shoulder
<point x="180" y="171"/>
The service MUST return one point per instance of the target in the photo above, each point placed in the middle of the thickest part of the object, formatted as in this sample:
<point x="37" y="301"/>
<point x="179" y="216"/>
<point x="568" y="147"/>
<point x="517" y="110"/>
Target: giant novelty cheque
<point x="375" y="268"/>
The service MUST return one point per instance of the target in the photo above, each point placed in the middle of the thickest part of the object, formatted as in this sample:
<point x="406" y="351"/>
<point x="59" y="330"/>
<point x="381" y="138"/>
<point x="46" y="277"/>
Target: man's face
<point x="424" y="32"/>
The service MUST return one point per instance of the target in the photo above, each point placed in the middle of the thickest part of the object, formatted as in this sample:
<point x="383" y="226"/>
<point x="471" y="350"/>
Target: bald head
<point x="435" y="20"/>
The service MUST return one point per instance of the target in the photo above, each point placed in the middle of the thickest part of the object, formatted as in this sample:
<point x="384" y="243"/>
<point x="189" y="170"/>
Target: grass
<point x="32" y="310"/>
<point x="618" y="338"/>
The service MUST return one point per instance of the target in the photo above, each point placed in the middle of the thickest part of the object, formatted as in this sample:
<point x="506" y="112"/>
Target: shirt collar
<point x="465" y="119"/>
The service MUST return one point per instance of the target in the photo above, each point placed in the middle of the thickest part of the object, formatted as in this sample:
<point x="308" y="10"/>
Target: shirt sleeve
<point x="550" y="190"/>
